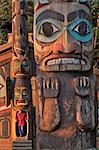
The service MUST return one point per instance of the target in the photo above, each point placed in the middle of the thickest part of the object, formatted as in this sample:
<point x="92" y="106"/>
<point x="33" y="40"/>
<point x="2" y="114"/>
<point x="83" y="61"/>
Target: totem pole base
<point x="57" y="97"/>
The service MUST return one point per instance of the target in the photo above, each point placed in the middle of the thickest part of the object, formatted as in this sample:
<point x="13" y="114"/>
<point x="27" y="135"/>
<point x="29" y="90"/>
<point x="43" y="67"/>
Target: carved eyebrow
<point x="80" y="14"/>
<point x="50" y="14"/>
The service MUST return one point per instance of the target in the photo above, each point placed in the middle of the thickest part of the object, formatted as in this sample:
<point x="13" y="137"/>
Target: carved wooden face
<point x="63" y="36"/>
<point x="21" y="93"/>
<point x="20" y="65"/>
<point x="21" y="97"/>
<point x="20" y="44"/>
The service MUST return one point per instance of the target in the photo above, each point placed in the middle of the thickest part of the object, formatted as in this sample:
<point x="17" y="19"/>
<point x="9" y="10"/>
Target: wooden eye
<point x="25" y="63"/>
<point x="82" y="28"/>
<point x="25" y="94"/>
<point x="48" y="29"/>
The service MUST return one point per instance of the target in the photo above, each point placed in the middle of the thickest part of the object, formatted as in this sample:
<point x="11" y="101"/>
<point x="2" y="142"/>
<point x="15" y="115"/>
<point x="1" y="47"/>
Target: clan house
<point x="48" y="85"/>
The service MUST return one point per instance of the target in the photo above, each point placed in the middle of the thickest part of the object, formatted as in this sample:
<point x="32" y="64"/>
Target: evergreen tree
<point x="95" y="15"/>
<point x="6" y="18"/>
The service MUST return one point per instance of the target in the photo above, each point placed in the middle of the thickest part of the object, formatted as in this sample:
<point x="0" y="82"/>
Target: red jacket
<point x="21" y="119"/>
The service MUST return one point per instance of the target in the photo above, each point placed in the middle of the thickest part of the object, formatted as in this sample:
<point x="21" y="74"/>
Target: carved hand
<point x="82" y="85"/>
<point x="50" y="87"/>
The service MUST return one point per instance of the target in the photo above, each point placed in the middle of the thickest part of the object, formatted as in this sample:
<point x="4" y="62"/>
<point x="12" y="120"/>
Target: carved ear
<point x="9" y="91"/>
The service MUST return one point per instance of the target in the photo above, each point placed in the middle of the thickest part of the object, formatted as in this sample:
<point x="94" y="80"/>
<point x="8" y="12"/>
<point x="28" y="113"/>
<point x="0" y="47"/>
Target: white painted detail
<point x="58" y="61"/>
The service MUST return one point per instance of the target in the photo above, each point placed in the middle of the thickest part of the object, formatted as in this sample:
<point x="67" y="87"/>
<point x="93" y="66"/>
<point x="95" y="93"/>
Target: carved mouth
<point x="60" y="61"/>
<point x="21" y="102"/>
<point x="64" y="63"/>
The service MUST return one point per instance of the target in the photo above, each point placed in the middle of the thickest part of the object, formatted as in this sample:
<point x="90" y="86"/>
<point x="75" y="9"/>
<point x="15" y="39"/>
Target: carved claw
<point x="50" y="87"/>
<point x="82" y="85"/>
<point x="49" y="112"/>
<point x="50" y="119"/>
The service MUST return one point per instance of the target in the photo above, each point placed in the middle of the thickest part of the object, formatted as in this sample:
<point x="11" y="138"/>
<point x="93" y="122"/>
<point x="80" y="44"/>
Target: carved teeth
<point x="65" y="61"/>
<point x="82" y="62"/>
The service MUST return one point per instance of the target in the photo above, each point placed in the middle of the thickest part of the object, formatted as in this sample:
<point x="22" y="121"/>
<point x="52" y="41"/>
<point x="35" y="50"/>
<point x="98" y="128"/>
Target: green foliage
<point x="6" y="18"/>
<point x="30" y="16"/>
<point x="95" y="15"/>
<point x="95" y="6"/>
<point x="3" y="36"/>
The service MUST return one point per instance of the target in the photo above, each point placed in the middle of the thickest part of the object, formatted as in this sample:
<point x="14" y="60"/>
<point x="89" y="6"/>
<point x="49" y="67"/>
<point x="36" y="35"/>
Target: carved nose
<point x="58" y="48"/>
<point x="20" y="97"/>
<point x="69" y="51"/>
<point x="74" y="47"/>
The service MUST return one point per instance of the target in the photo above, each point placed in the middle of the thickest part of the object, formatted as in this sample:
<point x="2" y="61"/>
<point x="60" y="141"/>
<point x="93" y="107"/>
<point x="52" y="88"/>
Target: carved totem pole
<point x="22" y="104"/>
<point x="64" y="89"/>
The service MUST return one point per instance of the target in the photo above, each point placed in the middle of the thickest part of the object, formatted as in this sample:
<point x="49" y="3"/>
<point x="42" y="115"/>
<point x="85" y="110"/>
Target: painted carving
<point x="2" y="87"/>
<point x="20" y="65"/>
<point x="54" y="29"/>
<point x="20" y="68"/>
<point x="48" y="104"/>
<point x="20" y="61"/>
<point x="4" y="73"/>
<point x="85" y="105"/>
<point x="21" y="123"/>
<point x="63" y="47"/>
<point x="3" y="76"/>
<point x="21" y="92"/>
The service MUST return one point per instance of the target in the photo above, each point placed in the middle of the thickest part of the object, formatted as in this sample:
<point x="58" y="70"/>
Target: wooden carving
<point x="64" y="89"/>
<point x="20" y="73"/>
<point x="20" y="60"/>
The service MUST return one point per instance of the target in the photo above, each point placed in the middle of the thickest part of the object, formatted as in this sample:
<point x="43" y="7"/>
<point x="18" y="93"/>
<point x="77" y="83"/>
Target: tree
<point x="6" y="18"/>
<point x="95" y="15"/>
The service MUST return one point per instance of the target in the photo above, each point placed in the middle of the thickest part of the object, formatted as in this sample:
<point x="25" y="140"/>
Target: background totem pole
<point x="22" y="104"/>
<point x="64" y="89"/>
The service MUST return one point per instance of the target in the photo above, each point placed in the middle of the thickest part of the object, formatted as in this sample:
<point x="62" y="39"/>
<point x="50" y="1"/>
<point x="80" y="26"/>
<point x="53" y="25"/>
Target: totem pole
<point x="64" y="88"/>
<point x="22" y="104"/>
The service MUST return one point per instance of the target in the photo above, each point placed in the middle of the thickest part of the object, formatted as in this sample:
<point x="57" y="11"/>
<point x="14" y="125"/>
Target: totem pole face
<point x="63" y="36"/>
<point x="20" y="65"/>
<point x="20" y="43"/>
<point x="21" y="97"/>
<point x="21" y="93"/>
